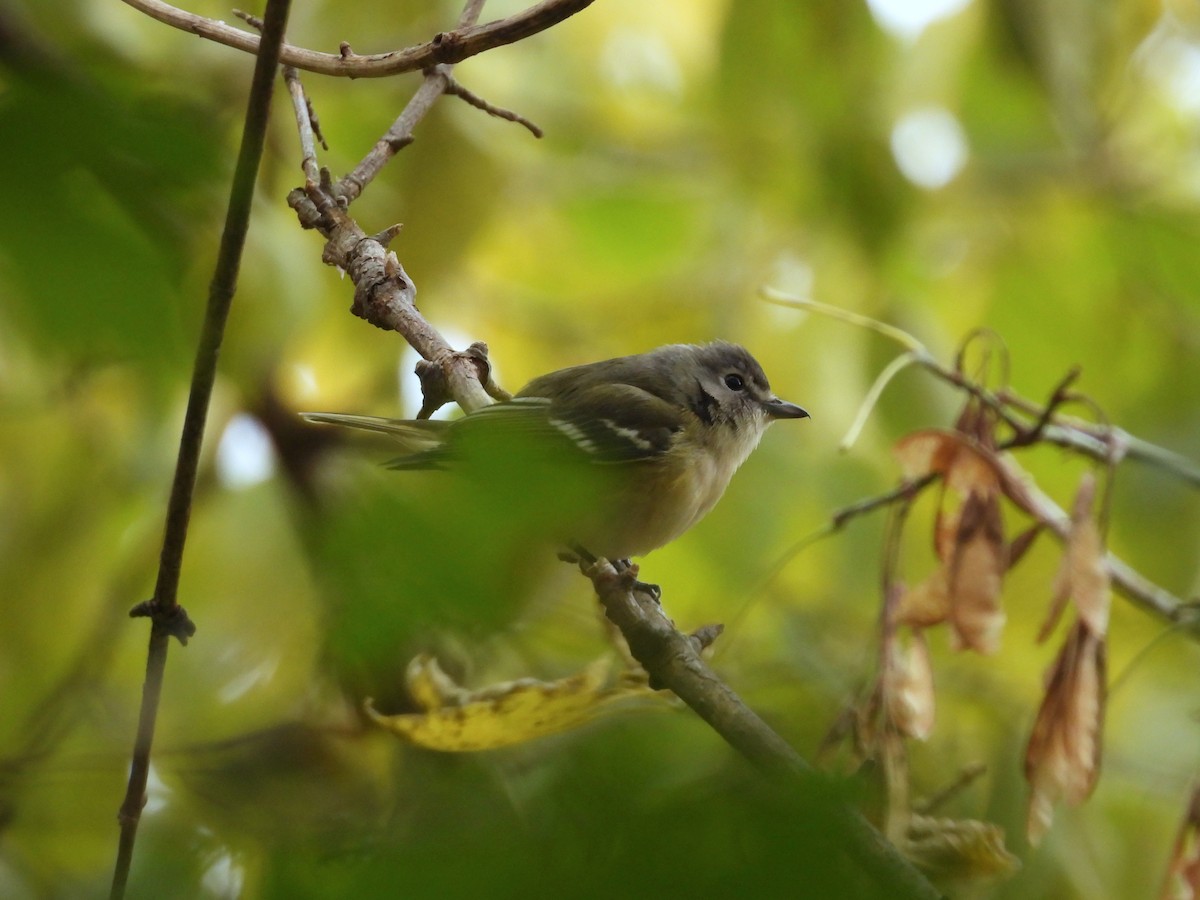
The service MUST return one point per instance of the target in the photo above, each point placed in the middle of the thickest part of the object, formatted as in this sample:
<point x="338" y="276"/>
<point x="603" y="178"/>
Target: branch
<point x="1083" y="437"/>
<point x="672" y="660"/>
<point x="454" y="89"/>
<point x="1030" y="422"/>
<point x="384" y="294"/>
<point x="445" y="47"/>
<point x="1130" y="583"/>
<point x="1134" y="586"/>
<point x="167" y="616"/>
<point x="395" y="139"/>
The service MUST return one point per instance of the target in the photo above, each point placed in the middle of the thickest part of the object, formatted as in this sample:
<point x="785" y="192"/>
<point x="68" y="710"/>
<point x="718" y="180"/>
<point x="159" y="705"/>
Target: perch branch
<point x="672" y="660"/>
<point x="446" y="47"/>
<point x="167" y="616"/>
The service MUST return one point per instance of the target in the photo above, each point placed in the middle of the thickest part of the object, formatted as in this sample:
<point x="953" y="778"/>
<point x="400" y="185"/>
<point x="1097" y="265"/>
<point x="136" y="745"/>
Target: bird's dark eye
<point x="734" y="382"/>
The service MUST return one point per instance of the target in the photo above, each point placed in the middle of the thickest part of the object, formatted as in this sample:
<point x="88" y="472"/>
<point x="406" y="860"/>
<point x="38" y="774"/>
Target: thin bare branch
<point x="1020" y="414"/>
<point x="454" y="89"/>
<point x="894" y="368"/>
<point x="167" y="616"/>
<point x="901" y="337"/>
<point x="446" y="47"/>
<point x="385" y="296"/>
<point x="304" y="124"/>
<point x="395" y="139"/>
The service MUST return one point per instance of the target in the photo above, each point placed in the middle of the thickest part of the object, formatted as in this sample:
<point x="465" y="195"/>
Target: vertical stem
<point x="164" y="609"/>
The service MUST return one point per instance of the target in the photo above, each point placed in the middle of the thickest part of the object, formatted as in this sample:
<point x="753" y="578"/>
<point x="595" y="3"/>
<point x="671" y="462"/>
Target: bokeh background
<point x="943" y="165"/>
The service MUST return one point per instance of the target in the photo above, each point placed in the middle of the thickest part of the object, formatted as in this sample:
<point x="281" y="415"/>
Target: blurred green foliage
<point x="693" y="151"/>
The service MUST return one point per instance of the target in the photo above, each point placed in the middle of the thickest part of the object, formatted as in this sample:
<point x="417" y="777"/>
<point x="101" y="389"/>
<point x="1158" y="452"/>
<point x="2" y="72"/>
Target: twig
<point x="894" y="368"/>
<point x="1134" y="586"/>
<point x="395" y="139"/>
<point x="437" y="82"/>
<point x="673" y="661"/>
<point x="167" y="616"/>
<point x="1063" y="431"/>
<point x="901" y="337"/>
<point x="384" y="294"/>
<point x="1030" y="422"/>
<point x="454" y="89"/>
<point x="306" y="116"/>
<point x="967" y="776"/>
<point x="305" y="124"/>
<point x="446" y="47"/>
<point x="1071" y="434"/>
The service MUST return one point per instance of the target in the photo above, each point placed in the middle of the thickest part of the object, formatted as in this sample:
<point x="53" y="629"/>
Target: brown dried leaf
<point x="1089" y="576"/>
<point x="977" y="574"/>
<point x="945" y="528"/>
<point x="908" y="687"/>
<point x="925" y="605"/>
<point x="966" y="466"/>
<point x="1083" y="573"/>
<point x="974" y="470"/>
<point x="1062" y="761"/>
<point x="926" y="452"/>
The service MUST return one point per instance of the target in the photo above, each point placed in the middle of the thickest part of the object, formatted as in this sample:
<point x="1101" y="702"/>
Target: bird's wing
<point x="616" y="423"/>
<point x="608" y="423"/>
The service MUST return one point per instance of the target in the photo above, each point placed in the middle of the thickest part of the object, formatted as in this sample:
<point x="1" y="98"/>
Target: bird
<point x="620" y="457"/>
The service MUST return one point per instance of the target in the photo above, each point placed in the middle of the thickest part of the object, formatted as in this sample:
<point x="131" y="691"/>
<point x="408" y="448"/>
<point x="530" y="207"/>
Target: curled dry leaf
<point x="977" y="575"/>
<point x="1082" y="575"/>
<point x="455" y="719"/>
<point x="927" y="604"/>
<point x="926" y="452"/>
<point x="1063" y="757"/>
<point x="1062" y="760"/>
<point x="969" y="540"/>
<point x="908" y="686"/>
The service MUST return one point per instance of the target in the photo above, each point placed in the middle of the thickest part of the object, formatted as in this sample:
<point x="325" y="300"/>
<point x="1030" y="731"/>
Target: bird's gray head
<point x="725" y="386"/>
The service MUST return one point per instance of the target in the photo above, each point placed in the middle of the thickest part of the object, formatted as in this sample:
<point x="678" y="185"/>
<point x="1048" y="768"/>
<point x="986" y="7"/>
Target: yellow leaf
<point x="457" y="720"/>
<point x="430" y="687"/>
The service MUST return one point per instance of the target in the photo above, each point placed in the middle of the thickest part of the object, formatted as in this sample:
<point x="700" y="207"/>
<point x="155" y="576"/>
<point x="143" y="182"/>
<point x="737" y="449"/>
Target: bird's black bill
<point x="781" y="409"/>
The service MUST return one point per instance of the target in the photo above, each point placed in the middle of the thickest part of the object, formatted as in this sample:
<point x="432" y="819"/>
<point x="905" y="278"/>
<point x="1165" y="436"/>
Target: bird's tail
<point x="420" y="439"/>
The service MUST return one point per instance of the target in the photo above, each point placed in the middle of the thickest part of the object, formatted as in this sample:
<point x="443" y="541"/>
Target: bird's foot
<point x="629" y="570"/>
